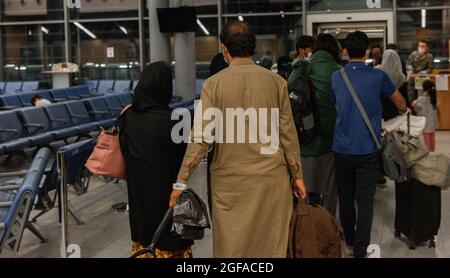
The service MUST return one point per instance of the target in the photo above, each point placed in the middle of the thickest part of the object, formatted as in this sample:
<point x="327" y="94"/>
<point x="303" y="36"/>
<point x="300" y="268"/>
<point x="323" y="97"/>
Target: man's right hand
<point x="299" y="188"/>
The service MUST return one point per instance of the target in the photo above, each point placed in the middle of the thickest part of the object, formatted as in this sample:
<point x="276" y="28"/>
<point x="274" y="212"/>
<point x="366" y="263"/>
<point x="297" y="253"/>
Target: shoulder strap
<point x="361" y="108"/>
<point x="119" y="118"/>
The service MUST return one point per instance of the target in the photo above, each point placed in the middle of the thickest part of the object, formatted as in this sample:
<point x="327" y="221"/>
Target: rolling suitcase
<point x="418" y="212"/>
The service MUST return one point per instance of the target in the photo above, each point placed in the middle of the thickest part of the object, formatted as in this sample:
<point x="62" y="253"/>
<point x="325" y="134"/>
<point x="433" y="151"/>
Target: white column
<point x="159" y="42"/>
<point x="185" y="69"/>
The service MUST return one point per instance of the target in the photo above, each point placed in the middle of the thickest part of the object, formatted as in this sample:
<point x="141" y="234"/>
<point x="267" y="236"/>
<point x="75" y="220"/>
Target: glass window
<point x="30" y="10"/>
<point x="344" y="5"/>
<point x="433" y="25"/>
<point x="258" y="6"/>
<point x="422" y="3"/>
<point x="106" y="50"/>
<point x="27" y="50"/>
<point x="207" y="39"/>
<point x="276" y="35"/>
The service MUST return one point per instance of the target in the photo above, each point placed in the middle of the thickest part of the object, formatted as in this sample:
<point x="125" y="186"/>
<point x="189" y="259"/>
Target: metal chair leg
<point x="30" y="226"/>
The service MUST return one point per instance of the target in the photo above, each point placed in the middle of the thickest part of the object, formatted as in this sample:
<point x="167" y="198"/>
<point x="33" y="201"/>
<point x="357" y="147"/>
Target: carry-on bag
<point x="417" y="211"/>
<point x="107" y="158"/>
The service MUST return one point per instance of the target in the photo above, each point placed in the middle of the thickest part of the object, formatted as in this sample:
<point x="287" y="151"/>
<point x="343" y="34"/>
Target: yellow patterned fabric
<point x="159" y="254"/>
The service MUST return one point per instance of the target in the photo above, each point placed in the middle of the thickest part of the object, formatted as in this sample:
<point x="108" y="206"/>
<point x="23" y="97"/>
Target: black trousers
<point x="357" y="178"/>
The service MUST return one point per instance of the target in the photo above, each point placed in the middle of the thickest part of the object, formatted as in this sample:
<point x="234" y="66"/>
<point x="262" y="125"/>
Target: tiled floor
<point x="106" y="234"/>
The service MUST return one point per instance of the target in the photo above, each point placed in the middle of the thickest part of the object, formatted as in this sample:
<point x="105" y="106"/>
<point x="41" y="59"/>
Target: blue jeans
<point x="357" y="178"/>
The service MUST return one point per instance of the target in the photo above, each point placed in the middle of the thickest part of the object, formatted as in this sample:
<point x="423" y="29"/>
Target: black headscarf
<point x="155" y="88"/>
<point x="218" y="64"/>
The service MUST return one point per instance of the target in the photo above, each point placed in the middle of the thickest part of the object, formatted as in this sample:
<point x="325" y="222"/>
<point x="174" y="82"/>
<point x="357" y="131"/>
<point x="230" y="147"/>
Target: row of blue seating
<point x="18" y="87"/>
<point x="14" y="101"/>
<point x="16" y="202"/>
<point x="111" y="86"/>
<point x="121" y="86"/>
<point x="40" y="126"/>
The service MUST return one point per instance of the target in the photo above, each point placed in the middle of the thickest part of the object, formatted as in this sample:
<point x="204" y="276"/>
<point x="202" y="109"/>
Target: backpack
<point x="304" y="108"/>
<point x="313" y="233"/>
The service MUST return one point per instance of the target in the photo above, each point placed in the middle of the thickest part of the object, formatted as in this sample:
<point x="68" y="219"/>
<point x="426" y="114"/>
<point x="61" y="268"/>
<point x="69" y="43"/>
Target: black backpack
<point x="304" y="108"/>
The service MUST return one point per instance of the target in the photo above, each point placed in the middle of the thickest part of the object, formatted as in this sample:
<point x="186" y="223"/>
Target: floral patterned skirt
<point x="159" y="254"/>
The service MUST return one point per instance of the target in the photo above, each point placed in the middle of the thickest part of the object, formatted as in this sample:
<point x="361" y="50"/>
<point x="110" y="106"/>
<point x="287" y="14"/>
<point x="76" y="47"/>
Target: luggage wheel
<point x="432" y="244"/>
<point x="412" y="245"/>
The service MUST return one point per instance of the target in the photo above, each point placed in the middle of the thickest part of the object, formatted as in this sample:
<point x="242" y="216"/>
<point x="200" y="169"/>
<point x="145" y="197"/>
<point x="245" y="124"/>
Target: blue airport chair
<point x="29" y="86"/>
<point x="199" y="86"/>
<point x="126" y="99"/>
<point x="12" y="134"/>
<point x="17" y="200"/>
<point x="2" y="88"/>
<point x="38" y="126"/>
<point x="100" y="112"/>
<point x="80" y="117"/>
<point x="92" y="85"/>
<point x="105" y="87"/>
<point x="76" y="156"/>
<point x="83" y="91"/>
<point x="10" y="102"/>
<point x="60" y="121"/>
<point x="59" y="95"/>
<point x="73" y="93"/>
<point x="114" y="105"/>
<point x="122" y="86"/>
<point x="13" y="87"/>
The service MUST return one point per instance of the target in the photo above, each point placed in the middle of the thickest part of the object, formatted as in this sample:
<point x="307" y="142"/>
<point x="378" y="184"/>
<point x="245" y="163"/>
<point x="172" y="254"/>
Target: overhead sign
<point x="110" y="52"/>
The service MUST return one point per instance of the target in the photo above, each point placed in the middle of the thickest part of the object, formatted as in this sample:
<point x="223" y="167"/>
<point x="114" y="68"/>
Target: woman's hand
<point x="174" y="197"/>
<point x="299" y="189"/>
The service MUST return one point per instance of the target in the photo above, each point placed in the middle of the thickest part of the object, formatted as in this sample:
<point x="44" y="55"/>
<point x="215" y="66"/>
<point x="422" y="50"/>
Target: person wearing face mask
<point x="419" y="61"/>
<point x="357" y="154"/>
<point x="252" y="191"/>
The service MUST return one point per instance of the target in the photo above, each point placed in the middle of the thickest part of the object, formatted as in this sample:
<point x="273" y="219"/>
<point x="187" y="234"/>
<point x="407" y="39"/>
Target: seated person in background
<point x="39" y="101"/>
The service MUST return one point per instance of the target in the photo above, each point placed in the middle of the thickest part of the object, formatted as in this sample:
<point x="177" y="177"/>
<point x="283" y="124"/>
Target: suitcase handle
<point x="162" y="227"/>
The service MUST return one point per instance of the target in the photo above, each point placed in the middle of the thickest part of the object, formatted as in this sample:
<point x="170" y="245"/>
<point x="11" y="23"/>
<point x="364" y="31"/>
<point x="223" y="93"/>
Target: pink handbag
<point x="107" y="159"/>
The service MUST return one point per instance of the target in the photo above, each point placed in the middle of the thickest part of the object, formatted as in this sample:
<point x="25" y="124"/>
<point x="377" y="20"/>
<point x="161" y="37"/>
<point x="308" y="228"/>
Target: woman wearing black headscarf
<point x="152" y="160"/>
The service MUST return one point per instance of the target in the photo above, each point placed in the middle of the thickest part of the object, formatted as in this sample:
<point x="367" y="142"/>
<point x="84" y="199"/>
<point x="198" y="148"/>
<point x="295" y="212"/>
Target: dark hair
<point x="304" y="42"/>
<point x="328" y="43"/>
<point x="377" y="46"/>
<point x="430" y="88"/>
<point x="357" y="44"/>
<point x="239" y="38"/>
<point x="392" y="46"/>
<point x="425" y="41"/>
<point x="36" y="98"/>
<point x="218" y="64"/>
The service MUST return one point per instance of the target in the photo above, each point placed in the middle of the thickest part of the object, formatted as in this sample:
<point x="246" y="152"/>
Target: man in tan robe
<point x="252" y="197"/>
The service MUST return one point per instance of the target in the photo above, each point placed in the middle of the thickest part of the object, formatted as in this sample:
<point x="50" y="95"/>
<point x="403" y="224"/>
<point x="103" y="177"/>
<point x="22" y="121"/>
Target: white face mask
<point x="225" y="59"/>
<point x="422" y="51"/>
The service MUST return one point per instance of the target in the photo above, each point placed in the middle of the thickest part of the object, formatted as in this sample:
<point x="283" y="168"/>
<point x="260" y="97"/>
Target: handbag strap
<point x="361" y="108"/>
<point x="116" y="122"/>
